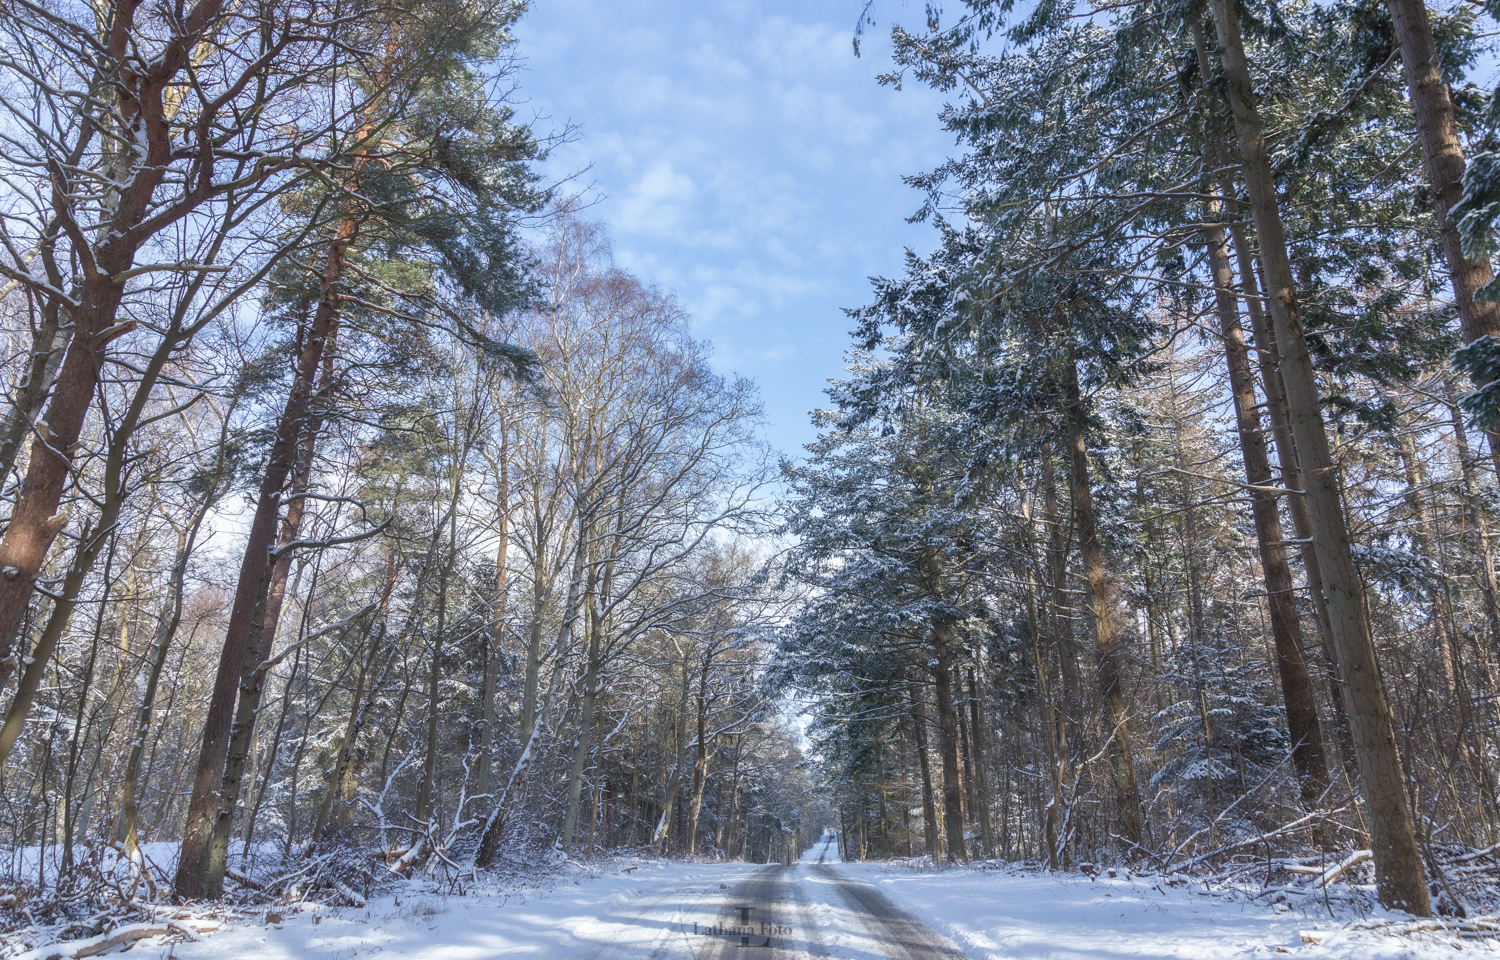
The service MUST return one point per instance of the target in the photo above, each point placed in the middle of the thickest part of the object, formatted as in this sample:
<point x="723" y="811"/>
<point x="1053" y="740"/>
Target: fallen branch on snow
<point x="74" y="949"/>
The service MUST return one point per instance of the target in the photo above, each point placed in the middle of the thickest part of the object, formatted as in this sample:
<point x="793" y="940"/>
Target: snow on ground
<point x="1028" y="915"/>
<point x="625" y="909"/>
<point x="572" y="913"/>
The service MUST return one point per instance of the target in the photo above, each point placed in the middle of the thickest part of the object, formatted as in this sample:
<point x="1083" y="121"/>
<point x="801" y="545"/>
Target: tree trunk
<point x="1286" y="628"/>
<point x="981" y="777"/>
<point x="674" y="785"/>
<point x="1443" y="158"/>
<point x="700" y="754"/>
<point x="1479" y="521"/>
<point x="1291" y="479"/>
<point x="35" y="521"/>
<point x="924" y="764"/>
<point x="166" y="628"/>
<point x="427" y="794"/>
<point x="93" y="540"/>
<point x="1059" y="632"/>
<point x="1400" y="878"/>
<point x="1111" y="666"/>
<point x="1047" y="693"/>
<point x="1281" y="432"/>
<point x="489" y="735"/>
<point x="193" y="867"/>
<point x="489" y="843"/>
<point x="266" y="621"/>
<point x="585" y="722"/>
<point x="48" y="346"/>
<point x="1424" y="537"/>
<point x="533" y="657"/>
<point x="1069" y="733"/>
<point x="942" y="686"/>
<point x="362" y="703"/>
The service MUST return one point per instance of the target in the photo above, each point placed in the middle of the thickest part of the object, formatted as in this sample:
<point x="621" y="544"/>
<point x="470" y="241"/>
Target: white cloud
<point x="657" y="202"/>
<point x="747" y="161"/>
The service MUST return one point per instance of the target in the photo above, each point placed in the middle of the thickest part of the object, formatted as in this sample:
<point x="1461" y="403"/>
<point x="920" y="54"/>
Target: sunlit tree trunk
<point x="196" y="877"/>
<point x="1443" y="159"/>
<point x="1286" y="627"/>
<point x="1110" y="666"/>
<point x="1400" y="877"/>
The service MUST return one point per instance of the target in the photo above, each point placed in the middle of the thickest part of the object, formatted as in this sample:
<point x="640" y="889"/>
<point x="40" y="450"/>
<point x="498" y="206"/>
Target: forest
<point x="1152" y="520"/>
<point x="363" y="518"/>
<point x="362" y="514"/>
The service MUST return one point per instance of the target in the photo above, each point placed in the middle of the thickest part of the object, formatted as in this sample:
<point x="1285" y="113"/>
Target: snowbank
<point x="1018" y="914"/>
<point x="561" y="914"/>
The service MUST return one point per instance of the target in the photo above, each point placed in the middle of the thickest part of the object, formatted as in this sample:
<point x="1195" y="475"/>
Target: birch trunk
<point x="490" y="733"/>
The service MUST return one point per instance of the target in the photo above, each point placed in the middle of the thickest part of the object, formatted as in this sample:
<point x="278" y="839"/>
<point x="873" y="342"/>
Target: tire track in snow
<point x="899" y="935"/>
<point x="655" y="925"/>
<point x="816" y="947"/>
<point x="772" y="912"/>
<point x="753" y="907"/>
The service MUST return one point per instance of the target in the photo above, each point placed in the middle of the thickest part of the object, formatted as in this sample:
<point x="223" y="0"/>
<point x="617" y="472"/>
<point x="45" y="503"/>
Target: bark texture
<point x="1110" y="665"/>
<point x="1400" y="878"/>
<point x="1286" y="628"/>
<point x="193" y="879"/>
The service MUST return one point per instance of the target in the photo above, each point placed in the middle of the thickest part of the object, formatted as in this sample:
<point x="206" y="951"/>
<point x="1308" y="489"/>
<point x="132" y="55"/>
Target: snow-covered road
<point x="781" y="911"/>
<point x="659" y="910"/>
<point x="667" y="910"/>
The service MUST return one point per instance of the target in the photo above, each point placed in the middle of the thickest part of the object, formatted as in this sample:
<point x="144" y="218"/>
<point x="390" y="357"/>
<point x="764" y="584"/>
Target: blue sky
<point x="744" y="159"/>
